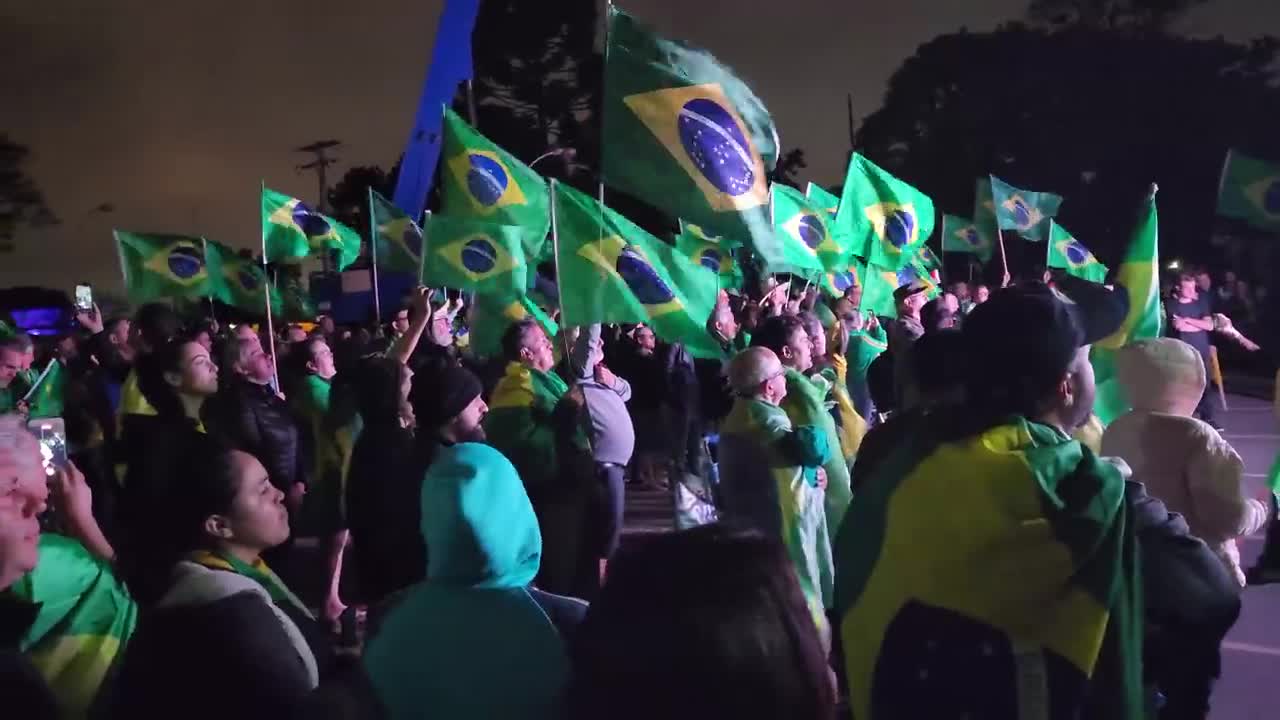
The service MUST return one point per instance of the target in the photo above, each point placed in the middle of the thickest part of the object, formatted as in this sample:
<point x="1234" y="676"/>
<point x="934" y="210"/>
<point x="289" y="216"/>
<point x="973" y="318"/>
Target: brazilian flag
<point x="837" y="282"/>
<point x="1069" y="254"/>
<point x="713" y="253"/>
<point x="1024" y="211"/>
<point x="1016" y="597"/>
<point x="805" y="234"/>
<point x="927" y="262"/>
<point x="240" y="281"/>
<point x="961" y="235"/>
<point x="45" y="399"/>
<point x="158" y="266"/>
<point x="295" y="301"/>
<point x="880" y="282"/>
<point x="612" y="271"/>
<point x="1250" y="191"/>
<point x="85" y="618"/>
<point x="886" y="219"/>
<point x="468" y="254"/>
<point x="1139" y="275"/>
<point x="485" y="182"/>
<point x="291" y="231"/>
<point x="491" y="315"/>
<point x="397" y="239"/>
<point x="683" y="133"/>
<point x="821" y="198"/>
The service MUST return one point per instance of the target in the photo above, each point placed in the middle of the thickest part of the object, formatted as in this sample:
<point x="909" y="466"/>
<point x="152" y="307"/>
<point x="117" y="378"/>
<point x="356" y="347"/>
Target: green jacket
<point x="806" y="404"/>
<point x="768" y="482"/>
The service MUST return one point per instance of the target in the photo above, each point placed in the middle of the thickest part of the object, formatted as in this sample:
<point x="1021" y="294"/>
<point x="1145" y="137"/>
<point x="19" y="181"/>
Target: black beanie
<point x="439" y="396"/>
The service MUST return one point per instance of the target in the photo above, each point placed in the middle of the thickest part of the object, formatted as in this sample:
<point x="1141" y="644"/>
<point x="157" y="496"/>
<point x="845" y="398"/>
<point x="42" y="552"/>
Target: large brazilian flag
<point x="990" y="574"/>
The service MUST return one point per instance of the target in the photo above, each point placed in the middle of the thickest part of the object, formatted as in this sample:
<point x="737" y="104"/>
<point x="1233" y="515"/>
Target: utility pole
<point x="321" y="165"/>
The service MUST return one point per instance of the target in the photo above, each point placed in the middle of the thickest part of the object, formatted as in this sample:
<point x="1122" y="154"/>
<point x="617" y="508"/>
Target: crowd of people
<point x="891" y="517"/>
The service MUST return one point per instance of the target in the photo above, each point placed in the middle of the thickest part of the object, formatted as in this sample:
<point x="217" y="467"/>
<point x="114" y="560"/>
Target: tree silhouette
<point x="787" y="171"/>
<point x="21" y="202"/>
<point x="1092" y="115"/>
<point x="1110" y="14"/>
<point x="349" y="198"/>
<point x="537" y="81"/>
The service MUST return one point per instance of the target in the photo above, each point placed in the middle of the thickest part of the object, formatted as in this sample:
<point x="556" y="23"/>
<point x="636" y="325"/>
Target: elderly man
<point x="535" y="419"/>
<point x="771" y="472"/>
<point x="806" y="404"/>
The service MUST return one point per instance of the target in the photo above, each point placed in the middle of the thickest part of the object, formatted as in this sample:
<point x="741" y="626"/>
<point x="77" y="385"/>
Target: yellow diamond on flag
<point x="703" y="132"/>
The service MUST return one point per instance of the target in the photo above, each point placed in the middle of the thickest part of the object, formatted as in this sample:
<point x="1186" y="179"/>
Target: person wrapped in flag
<point x="989" y="567"/>
<point x="806" y="401"/>
<point x="771" y="473"/>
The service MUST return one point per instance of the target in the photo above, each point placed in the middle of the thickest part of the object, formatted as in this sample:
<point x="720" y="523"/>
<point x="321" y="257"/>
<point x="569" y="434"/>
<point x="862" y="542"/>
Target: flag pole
<point x="1004" y="260"/>
<point x="204" y="248"/>
<point x="373" y="260"/>
<point x="1048" y="245"/>
<point x="564" y="331"/>
<point x="422" y="261"/>
<point x="271" y="333"/>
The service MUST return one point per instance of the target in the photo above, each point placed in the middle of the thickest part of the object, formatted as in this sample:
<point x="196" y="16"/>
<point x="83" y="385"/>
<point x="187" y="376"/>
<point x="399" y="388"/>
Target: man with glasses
<point x="771" y="472"/>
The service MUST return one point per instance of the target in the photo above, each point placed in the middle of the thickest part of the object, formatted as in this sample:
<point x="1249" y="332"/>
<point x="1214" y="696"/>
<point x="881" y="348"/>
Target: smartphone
<point x="52" y="434"/>
<point x="84" y="298"/>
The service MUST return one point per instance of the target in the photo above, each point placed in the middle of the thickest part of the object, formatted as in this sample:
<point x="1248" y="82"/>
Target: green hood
<point x="477" y="520"/>
<point x="470" y="641"/>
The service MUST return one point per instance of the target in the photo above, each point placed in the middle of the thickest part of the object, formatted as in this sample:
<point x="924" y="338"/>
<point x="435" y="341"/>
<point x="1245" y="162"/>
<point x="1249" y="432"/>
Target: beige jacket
<point x="1182" y="461"/>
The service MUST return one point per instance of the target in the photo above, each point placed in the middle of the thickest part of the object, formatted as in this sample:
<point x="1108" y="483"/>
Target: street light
<point x="567" y="153"/>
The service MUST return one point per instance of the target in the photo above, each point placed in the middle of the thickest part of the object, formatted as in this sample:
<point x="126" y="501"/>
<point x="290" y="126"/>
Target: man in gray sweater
<point x="613" y="438"/>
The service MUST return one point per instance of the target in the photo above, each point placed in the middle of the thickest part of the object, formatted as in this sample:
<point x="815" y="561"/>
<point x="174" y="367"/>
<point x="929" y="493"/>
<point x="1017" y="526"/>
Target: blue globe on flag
<point x="899" y="228"/>
<point x="487" y="179"/>
<point x="247" y="279"/>
<point x="1076" y="254"/>
<point x="312" y="223"/>
<point x="479" y="255"/>
<point x="972" y="237"/>
<point x="812" y="231"/>
<point x="710" y="259"/>
<point x="185" y="262"/>
<point x="717" y="146"/>
<point x="1271" y="198"/>
<point x="1021" y="213"/>
<point x="641" y="278"/>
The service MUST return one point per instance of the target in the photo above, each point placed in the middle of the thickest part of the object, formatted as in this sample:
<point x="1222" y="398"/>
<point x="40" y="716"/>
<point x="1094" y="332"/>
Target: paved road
<point x="1250" y="685"/>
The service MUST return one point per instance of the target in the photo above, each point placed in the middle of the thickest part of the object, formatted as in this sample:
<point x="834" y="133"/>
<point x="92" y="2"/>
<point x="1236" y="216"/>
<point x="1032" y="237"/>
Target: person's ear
<point x="218" y="526"/>
<point x="311" y="367"/>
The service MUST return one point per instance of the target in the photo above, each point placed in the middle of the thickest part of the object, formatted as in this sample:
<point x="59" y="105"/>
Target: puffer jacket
<point x="1182" y="461"/>
<point x="253" y="418"/>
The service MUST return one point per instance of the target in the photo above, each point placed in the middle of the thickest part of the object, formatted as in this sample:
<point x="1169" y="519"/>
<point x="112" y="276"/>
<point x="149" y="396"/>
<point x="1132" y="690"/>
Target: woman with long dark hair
<point x="215" y="617"/>
<point x="708" y="622"/>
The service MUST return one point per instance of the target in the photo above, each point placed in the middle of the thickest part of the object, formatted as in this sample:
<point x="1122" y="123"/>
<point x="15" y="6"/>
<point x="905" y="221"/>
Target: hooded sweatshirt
<point x="471" y="641"/>
<point x="1182" y="460"/>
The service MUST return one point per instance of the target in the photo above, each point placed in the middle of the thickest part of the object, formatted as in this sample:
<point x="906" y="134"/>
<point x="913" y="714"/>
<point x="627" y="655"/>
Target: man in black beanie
<point x="448" y="409"/>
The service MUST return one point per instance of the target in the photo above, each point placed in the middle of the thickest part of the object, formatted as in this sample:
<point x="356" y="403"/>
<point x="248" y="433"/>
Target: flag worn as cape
<point x="1019" y="597"/>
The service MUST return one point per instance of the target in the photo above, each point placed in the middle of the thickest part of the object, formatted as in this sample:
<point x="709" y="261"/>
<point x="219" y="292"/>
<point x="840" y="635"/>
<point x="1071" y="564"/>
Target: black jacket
<point x="216" y="657"/>
<point x="254" y="419"/>
<point x="384" y="485"/>
<point x="25" y="694"/>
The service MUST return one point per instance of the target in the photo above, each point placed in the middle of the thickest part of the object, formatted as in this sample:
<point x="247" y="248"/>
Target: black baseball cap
<point x="1034" y="329"/>
<point x="905" y="291"/>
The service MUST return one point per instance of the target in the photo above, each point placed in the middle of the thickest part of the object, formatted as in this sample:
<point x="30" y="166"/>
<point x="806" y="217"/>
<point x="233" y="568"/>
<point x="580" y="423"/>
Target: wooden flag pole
<point x="373" y="260"/>
<point x="266" y="277"/>
<point x="1004" y="260"/>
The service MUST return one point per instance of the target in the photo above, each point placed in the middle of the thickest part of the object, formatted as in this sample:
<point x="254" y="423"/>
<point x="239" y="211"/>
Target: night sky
<point x="173" y="112"/>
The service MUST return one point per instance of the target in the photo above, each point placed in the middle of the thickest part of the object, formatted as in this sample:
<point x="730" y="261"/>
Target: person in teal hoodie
<point x="475" y="639"/>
